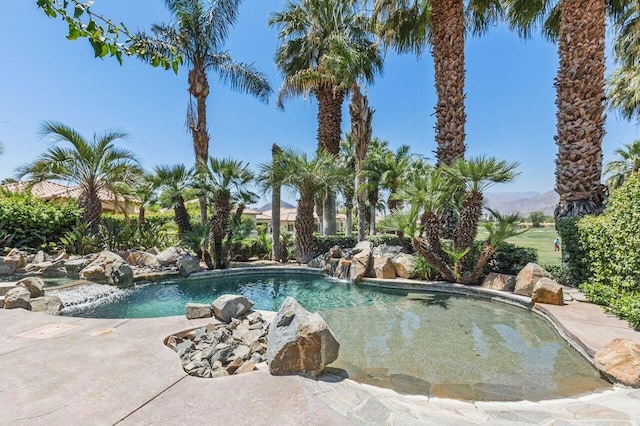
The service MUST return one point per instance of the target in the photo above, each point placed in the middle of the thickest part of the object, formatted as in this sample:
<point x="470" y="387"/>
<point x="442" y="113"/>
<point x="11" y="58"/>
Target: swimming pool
<point x="446" y="346"/>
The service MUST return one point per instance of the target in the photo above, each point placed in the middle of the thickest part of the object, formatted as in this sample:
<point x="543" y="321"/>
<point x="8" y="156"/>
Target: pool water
<point x="445" y="346"/>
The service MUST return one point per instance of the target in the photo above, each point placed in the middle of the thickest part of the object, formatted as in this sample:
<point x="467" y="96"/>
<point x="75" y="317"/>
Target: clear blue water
<point x="449" y="346"/>
<point x="266" y="291"/>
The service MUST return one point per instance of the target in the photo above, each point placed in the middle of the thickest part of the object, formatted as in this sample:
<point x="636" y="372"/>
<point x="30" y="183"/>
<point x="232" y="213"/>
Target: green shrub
<point x="574" y="253"/>
<point x="510" y="259"/>
<point x="28" y="221"/>
<point x="609" y="250"/>
<point x="390" y="240"/>
<point x="119" y="233"/>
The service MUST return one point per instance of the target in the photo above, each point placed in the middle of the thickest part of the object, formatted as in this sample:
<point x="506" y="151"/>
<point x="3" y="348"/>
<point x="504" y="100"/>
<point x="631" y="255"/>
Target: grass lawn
<point x="540" y="239"/>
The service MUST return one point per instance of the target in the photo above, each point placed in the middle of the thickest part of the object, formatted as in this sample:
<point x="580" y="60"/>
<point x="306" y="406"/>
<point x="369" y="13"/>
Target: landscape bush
<point x="608" y="248"/>
<point x="28" y="221"/>
<point x="510" y="259"/>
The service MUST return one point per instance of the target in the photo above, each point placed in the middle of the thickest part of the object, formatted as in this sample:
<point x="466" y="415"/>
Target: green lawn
<point x="540" y="239"/>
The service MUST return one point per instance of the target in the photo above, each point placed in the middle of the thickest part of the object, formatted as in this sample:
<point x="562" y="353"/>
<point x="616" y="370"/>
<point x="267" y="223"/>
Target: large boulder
<point x="502" y="282"/>
<point x="34" y="285"/>
<point x="48" y="304"/>
<point x="18" y="297"/>
<point x="548" y="291"/>
<point x="335" y="252"/>
<point x="230" y="306"/>
<point x="74" y="266"/>
<point x="18" y="256"/>
<point x="188" y="265"/>
<point x="8" y="265"/>
<point x="170" y="255"/>
<point x="361" y="261"/>
<point x="383" y="267"/>
<point x="317" y="262"/>
<point x="141" y="258"/>
<point x="47" y="269"/>
<point x="198" y="310"/>
<point x="41" y="257"/>
<point x="5" y="287"/>
<point x="299" y="341"/>
<point x="620" y="362"/>
<point x="385" y="250"/>
<point x="108" y="268"/>
<point x="528" y="277"/>
<point x="404" y="265"/>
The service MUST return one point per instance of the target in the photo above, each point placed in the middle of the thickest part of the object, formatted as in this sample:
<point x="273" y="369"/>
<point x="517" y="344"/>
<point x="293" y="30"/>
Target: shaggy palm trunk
<point x="275" y="208"/>
<point x="361" y="117"/>
<point x="485" y="255"/>
<point x="199" y="89"/>
<point x="304" y="228"/>
<point x="349" y="213"/>
<point x="467" y="229"/>
<point x="218" y="228"/>
<point x="329" y="122"/>
<point x="92" y="209"/>
<point x="580" y="99"/>
<point x="447" y="30"/>
<point x="141" y="213"/>
<point x="429" y="247"/>
<point x="373" y="202"/>
<point x="181" y="218"/>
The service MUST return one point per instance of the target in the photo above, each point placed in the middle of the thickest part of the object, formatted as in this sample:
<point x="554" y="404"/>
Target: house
<point x="48" y="190"/>
<point x="288" y="220"/>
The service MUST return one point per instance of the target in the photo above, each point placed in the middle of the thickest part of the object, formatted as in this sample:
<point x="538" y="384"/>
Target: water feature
<point x="443" y="346"/>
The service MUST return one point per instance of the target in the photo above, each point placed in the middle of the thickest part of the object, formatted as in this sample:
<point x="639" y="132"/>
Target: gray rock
<point x="362" y="246"/>
<point x="361" y="262"/>
<point x="8" y="265"/>
<point x="170" y="255"/>
<point x="317" y="262"/>
<point x="18" y="297"/>
<point x="18" y="256"/>
<point x="41" y="257"/>
<point x="385" y="250"/>
<point x="242" y="351"/>
<point x="34" y="285"/>
<point x="47" y="269"/>
<point x="299" y="341"/>
<point x="74" y="266"/>
<point x="48" y="304"/>
<point x="252" y="336"/>
<point x="108" y="268"/>
<point x="198" y="310"/>
<point x="141" y="258"/>
<point x="154" y="251"/>
<point x="404" y="265"/>
<point x="188" y="265"/>
<point x="528" y="277"/>
<point x="5" y="287"/>
<point x="230" y="306"/>
<point x="502" y="282"/>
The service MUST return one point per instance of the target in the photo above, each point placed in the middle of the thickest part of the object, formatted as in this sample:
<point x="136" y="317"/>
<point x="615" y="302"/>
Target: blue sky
<point x="509" y="87"/>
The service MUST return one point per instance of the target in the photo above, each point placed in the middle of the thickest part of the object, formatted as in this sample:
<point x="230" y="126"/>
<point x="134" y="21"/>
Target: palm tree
<point x="348" y="161"/>
<point x="313" y="35"/>
<point x="395" y="167"/>
<point x="95" y="165"/>
<point x="270" y="179"/>
<point x="198" y="33"/>
<point x="373" y="167"/>
<point x="308" y="176"/>
<point x="409" y="25"/>
<point x="143" y="191"/>
<point x="173" y="182"/>
<point x="579" y="26"/>
<point x="628" y="163"/>
<point x="226" y="181"/>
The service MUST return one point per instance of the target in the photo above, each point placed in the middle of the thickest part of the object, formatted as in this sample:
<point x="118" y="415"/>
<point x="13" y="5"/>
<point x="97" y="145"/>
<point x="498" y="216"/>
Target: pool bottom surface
<point x="461" y="348"/>
<point x="447" y="346"/>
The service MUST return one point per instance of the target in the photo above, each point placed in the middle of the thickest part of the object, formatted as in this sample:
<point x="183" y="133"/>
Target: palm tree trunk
<point x="304" y="228"/>
<point x="218" y="228"/>
<point x="447" y="29"/>
<point x="467" y="228"/>
<point x="182" y="219"/>
<point x="361" y="117"/>
<point x="141" y="218"/>
<point x="329" y="122"/>
<point x="199" y="89"/>
<point x="92" y="209"/>
<point x="275" y="209"/>
<point x="580" y="99"/>
<point x="349" y="213"/>
<point x="485" y="255"/>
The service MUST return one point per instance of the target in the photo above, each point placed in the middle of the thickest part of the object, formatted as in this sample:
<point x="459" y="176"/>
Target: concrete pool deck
<point x="66" y="370"/>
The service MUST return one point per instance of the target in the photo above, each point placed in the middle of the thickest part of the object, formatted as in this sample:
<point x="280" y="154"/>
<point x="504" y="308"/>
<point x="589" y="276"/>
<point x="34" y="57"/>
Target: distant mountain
<point x="283" y="205"/>
<point x="522" y="202"/>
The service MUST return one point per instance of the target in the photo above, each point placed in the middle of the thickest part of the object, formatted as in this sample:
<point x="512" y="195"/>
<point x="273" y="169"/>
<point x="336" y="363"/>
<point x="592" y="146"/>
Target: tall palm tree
<point x="395" y="168"/>
<point x="348" y="161"/>
<point x="373" y="167"/>
<point x="173" y="183"/>
<point x="310" y="32"/>
<point x="95" y="165"/>
<point x="579" y="27"/>
<point x="308" y="177"/>
<point x="198" y="32"/>
<point x="143" y="191"/>
<point x="409" y="25"/>
<point x="227" y="182"/>
<point x="628" y="162"/>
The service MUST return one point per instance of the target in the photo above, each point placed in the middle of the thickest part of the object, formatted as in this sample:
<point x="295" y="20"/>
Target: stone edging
<point x="257" y="270"/>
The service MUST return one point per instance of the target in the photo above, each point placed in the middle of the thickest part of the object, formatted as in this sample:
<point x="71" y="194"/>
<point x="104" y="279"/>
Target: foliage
<point x="390" y="240"/>
<point x="30" y="221"/>
<point x="537" y="218"/>
<point x="510" y="259"/>
<point x="106" y="37"/>
<point x="322" y="243"/>
<point x="423" y="270"/>
<point x="620" y="169"/>
<point x="607" y="247"/>
<point x="118" y="234"/>
<point x="574" y="254"/>
<point x="80" y="240"/>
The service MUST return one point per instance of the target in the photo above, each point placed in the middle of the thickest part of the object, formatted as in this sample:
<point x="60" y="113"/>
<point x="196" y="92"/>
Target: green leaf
<point x="78" y="11"/>
<point x="174" y="65"/>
